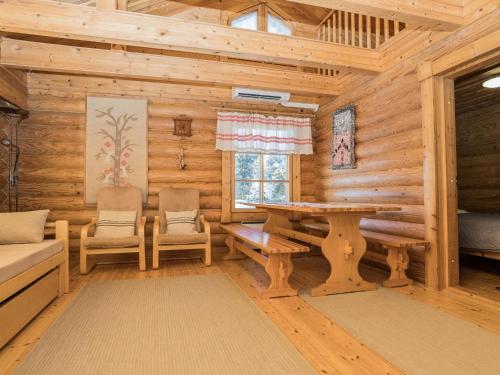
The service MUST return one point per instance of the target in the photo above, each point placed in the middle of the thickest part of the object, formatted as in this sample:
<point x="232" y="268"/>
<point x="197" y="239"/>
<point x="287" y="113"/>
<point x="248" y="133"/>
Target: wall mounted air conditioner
<point x="260" y="95"/>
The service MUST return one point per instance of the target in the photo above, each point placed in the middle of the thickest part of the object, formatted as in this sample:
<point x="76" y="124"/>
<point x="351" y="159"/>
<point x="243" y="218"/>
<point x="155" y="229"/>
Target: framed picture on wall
<point x="344" y="129"/>
<point x="116" y="147"/>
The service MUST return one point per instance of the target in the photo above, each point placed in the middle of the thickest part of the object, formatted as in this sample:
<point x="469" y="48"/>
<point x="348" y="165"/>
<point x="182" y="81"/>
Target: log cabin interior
<point x="249" y="187"/>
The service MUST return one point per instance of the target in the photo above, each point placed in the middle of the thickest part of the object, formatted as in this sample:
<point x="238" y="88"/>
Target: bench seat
<point x="275" y="255"/>
<point x="397" y="250"/>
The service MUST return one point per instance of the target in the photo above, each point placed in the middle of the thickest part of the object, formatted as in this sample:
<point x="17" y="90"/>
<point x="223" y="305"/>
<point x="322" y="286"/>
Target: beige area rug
<point x="417" y="338"/>
<point x="179" y="325"/>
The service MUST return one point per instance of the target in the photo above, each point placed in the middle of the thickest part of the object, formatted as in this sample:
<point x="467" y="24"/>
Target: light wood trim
<point x="369" y="31"/>
<point x="438" y="15"/>
<point x="226" y="187"/>
<point x="106" y="5"/>
<point x="13" y="285"/>
<point x="79" y="60"/>
<point x="377" y="32"/>
<point x="296" y="181"/>
<point x="62" y="234"/>
<point x="71" y="21"/>
<point x="19" y="311"/>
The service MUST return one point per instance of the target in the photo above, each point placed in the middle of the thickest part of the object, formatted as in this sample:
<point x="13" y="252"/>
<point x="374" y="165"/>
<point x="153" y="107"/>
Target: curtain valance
<point x="254" y="132"/>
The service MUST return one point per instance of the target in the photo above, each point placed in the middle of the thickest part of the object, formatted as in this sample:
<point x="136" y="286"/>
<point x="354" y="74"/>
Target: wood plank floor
<point x="481" y="282"/>
<point x="328" y="348"/>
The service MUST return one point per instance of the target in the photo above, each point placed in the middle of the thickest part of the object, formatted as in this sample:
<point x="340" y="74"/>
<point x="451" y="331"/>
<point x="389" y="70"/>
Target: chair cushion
<point x="181" y="222"/>
<point x="180" y="239"/>
<point x="22" y="227"/>
<point x="115" y="224"/>
<point x="125" y="198"/>
<point x="176" y="200"/>
<point x="18" y="258"/>
<point x="110" y="243"/>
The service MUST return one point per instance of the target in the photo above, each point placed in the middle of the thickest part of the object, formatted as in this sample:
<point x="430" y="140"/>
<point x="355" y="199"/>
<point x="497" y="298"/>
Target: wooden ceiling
<point x="301" y="13"/>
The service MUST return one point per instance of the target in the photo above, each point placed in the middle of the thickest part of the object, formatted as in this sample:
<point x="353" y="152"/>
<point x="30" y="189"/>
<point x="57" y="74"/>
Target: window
<point x="262" y="18"/>
<point x="276" y="25"/>
<point x="247" y="21"/>
<point x="260" y="178"/>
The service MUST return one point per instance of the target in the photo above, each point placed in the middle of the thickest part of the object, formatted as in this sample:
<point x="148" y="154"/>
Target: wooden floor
<point x="481" y="282"/>
<point x="323" y="343"/>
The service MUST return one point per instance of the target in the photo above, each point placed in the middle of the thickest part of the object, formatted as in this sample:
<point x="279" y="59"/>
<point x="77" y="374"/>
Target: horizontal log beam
<point x="434" y="14"/>
<point x="69" y="21"/>
<point x="91" y="61"/>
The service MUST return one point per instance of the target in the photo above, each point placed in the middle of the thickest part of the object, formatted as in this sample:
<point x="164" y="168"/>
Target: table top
<point x="325" y="208"/>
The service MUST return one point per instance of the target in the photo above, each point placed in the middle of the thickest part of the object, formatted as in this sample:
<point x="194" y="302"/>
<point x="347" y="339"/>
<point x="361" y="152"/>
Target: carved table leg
<point x="398" y="260"/>
<point x="276" y="219"/>
<point x="343" y="248"/>
<point x="279" y="267"/>
<point x="233" y="254"/>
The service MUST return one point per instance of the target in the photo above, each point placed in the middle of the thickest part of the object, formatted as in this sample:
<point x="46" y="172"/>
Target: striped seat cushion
<point x="116" y="224"/>
<point x="182" y="222"/>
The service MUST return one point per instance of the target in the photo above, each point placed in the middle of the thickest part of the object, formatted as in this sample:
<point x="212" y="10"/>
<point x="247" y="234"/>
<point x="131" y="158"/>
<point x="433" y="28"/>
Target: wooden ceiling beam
<point x="99" y="62"/>
<point x="68" y="21"/>
<point x="434" y="14"/>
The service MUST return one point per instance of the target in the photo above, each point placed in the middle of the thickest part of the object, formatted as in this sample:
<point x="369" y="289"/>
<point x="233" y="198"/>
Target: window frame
<point x="261" y="181"/>
<point x="262" y="10"/>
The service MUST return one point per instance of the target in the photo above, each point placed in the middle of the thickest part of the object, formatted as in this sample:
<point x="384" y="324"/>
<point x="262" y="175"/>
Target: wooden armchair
<point x="176" y="200"/>
<point x="116" y="199"/>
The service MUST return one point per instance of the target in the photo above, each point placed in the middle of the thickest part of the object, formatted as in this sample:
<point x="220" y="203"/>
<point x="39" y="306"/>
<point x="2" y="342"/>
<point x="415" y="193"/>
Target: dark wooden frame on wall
<point x="440" y="168"/>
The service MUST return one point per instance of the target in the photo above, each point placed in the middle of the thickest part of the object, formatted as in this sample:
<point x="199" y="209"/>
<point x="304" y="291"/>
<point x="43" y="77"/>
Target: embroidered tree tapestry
<point x="116" y="145"/>
<point x="343" y="138"/>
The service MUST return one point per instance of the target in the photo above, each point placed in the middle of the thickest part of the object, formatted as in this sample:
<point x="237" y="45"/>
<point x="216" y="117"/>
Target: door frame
<point x="440" y="158"/>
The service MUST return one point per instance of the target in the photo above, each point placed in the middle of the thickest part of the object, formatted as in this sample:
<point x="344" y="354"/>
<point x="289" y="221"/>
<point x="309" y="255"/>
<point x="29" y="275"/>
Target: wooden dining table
<point x="344" y="245"/>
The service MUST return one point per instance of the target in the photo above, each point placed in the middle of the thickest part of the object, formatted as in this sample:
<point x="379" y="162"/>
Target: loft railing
<point x="354" y="29"/>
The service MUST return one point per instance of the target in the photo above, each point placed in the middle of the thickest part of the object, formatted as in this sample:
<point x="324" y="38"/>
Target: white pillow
<point x="22" y="227"/>
<point x="182" y="222"/>
<point x="116" y="224"/>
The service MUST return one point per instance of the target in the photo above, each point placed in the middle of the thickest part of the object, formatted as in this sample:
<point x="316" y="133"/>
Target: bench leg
<point x="233" y="254"/>
<point x="279" y="267"/>
<point x="398" y="260"/>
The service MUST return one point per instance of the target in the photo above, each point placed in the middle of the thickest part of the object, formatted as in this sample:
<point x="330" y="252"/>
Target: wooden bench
<point x="397" y="251"/>
<point x="275" y="255"/>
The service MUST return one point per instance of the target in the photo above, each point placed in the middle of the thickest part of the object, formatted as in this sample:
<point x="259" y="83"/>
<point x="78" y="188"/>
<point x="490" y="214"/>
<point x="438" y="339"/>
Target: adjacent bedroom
<point x="477" y="103"/>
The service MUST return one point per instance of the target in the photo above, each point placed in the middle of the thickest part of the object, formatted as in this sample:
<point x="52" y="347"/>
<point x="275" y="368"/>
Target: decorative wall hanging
<point x="254" y="132"/>
<point x="182" y="126"/>
<point x="344" y="129"/>
<point x="116" y="145"/>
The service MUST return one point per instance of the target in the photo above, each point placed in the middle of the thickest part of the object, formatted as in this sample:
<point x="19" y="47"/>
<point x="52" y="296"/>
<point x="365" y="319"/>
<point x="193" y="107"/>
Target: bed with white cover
<point x="479" y="234"/>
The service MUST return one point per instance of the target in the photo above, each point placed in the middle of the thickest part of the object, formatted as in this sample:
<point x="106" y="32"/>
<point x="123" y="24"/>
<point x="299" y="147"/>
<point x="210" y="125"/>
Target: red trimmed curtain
<point x="258" y="133"/>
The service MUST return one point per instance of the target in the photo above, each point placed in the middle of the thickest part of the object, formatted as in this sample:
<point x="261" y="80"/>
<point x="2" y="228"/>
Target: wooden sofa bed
<point x="31" y="276"/>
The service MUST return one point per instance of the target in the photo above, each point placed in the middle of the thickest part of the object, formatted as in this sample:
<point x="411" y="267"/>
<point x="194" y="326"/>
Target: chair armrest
<point x="206" y="224"/>
<point x="142" y="224"/>
<point x="86" y="228"/>
<point x="156" y="228"/>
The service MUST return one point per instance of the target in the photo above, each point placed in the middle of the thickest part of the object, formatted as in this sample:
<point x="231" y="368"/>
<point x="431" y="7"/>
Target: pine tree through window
<point x="261" y="178"/>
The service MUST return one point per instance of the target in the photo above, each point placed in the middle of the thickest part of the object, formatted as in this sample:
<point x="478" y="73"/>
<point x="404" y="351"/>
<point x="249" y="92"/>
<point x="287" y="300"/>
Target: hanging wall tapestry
<point x="343" y="138"/>
<point x="116" y="152"/>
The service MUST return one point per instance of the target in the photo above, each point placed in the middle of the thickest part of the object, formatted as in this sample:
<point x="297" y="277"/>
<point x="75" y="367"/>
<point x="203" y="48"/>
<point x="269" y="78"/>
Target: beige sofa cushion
<point x="181" y="222"/>
<point x="110" y="243"/>
<point x="180" y="239"/>
<point x="115" y="224"/>
<point x="18" y="258"/>
<point x="22" y="227"/>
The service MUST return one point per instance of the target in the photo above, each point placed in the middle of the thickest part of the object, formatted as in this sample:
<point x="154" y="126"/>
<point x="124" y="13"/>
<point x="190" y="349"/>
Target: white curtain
<point x="253" y="132"/>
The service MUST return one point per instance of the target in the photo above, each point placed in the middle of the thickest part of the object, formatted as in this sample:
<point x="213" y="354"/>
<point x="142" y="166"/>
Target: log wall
<point x="52" y="162"/>
<point x="389" y="156"/>
<point x="478" y="144"/>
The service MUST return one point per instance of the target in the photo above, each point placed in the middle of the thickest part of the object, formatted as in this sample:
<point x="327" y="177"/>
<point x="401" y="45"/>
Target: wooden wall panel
<point x="13" y="86"/>
<point x="52" y="162"/>
<point x="478" y="143"/>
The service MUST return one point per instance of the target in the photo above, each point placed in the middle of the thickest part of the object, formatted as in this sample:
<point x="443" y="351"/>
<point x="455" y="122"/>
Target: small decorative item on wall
<point x="116" y="145"/>
<point x="344" y="129"/>
<point x="182" y="126"/>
